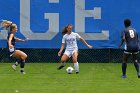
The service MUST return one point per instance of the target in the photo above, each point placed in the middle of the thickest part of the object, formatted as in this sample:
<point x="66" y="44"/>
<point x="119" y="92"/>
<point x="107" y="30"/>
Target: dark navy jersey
<point x="131" y="39"/>
<point x="13" y="41"/>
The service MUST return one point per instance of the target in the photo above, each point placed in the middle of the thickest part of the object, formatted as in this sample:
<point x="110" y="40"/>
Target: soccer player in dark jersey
<point x="130" y="38"/>
<point x="18" y="54"/>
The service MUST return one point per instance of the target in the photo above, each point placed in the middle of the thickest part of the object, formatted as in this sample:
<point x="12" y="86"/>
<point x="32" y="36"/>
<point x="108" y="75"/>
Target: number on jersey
<point x="131" y="32"/>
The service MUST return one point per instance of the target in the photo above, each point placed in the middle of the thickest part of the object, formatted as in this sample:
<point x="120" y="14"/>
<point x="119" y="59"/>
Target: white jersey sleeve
<point x="63" y="39"/>
<point x="77" y="36"/>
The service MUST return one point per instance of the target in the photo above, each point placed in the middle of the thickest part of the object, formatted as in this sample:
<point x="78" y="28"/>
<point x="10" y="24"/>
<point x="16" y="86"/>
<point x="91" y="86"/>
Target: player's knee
<point x="24" y="56"/>
<point x="63" y="60"/>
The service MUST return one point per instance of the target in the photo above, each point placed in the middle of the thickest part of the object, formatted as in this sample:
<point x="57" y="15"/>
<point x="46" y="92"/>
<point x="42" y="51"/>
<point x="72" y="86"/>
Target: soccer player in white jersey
<point x="70" y="39"/>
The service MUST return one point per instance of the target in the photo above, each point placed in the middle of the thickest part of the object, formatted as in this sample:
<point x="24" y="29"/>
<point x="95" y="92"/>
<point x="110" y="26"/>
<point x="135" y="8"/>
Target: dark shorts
<point x="131" y="52"/>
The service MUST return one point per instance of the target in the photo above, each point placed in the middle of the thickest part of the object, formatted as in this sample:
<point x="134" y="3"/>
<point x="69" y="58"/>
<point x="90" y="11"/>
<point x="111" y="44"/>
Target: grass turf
<point x="44" y="78"/>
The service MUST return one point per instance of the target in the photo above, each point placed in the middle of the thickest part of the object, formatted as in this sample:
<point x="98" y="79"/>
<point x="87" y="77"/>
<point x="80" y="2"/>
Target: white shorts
<point x="69" y="53"/>
<point x="11" y="51"/>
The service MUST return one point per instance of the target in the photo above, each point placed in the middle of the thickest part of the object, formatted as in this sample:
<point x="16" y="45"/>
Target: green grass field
<point x="44" y="78"/>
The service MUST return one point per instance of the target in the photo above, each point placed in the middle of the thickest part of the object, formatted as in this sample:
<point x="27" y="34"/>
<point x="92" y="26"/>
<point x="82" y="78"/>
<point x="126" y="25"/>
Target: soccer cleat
<point x="123" y="76"/>
<point x="60" y="67"/>
<point x="77" y="72"/>
<point x="14" y="67"/>
<point x="23" y="73"/>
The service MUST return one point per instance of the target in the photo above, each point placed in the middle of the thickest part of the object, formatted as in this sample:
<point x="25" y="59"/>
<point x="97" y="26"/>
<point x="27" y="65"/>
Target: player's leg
<point x="22" y="56"/>
<point x="134" y="58"/>
<point x="11" y="51"/>
<point x="76" y="64"/>
<point x="124" y="65"/>
<point x="64" y="59"/>
<point x="16" y="63"/>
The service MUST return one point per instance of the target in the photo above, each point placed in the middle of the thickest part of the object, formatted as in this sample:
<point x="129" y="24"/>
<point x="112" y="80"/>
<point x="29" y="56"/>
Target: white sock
<point x="22" y="69"/>
<point x="76" y="66"/>
<point x="16" y="63"/>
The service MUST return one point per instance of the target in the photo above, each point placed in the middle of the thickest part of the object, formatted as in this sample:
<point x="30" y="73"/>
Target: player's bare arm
<point x="89" y="46"/>
<point x="122" y="41"/>
<point x="21" y="40"/>
<point x="9" y="41"/>
<point x="61" y="49"/>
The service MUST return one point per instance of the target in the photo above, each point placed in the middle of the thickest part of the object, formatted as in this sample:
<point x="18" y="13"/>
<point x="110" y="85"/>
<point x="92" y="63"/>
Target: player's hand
<point x="11" y="46"/>
<point x="89" y="46"/>
<point x="26" y="39"/>
<point x="59" y="53"/>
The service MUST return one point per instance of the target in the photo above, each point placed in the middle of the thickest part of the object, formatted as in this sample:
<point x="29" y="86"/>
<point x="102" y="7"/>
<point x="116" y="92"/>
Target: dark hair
<point x="64" y="31"/>
<point x="127" y="22"/>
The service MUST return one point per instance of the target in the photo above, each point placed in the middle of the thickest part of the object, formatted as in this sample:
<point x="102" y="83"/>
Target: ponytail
<point x="64" y="31"/>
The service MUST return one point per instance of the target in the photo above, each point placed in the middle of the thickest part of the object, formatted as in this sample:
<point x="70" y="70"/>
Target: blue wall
<point x="42" y="21"/>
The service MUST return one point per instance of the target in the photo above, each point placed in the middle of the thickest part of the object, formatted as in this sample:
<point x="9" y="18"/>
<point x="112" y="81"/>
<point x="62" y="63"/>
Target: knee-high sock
<point x="22" y="64"/>
<point x="124" y="66"/>
<point x="76" y="66"/>
<point x="136" y="66"/>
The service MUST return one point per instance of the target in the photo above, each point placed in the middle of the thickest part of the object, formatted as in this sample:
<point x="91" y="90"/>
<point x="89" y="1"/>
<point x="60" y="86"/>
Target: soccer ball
<point x="69" y="70"/>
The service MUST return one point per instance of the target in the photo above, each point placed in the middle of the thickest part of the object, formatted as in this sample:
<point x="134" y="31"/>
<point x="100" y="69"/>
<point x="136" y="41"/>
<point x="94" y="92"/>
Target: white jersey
<point x="71" y="41"/>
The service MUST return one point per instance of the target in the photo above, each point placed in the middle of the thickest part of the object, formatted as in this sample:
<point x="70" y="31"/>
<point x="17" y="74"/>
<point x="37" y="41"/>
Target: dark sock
<point x="19" y="60"/>
<point x="136" y="66"/>
<point x="124" y="66"/>
<point x="22" y="64"/>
